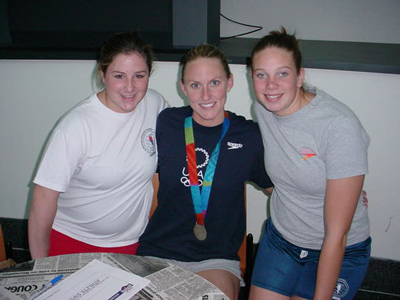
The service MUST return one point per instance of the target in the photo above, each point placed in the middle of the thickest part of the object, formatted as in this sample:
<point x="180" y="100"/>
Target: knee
<point x="227" y="282"/>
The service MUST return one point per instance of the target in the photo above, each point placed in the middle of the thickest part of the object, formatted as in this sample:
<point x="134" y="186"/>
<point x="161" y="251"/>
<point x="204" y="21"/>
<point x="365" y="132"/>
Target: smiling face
<point x="126" y="81"/>
<point x="276" y="83"/>
<point x="206" y="85"/>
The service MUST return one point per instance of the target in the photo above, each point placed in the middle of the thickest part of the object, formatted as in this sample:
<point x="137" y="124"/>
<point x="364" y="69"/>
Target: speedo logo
<point x="234" y="145"/>
<point x="307" y="153"/>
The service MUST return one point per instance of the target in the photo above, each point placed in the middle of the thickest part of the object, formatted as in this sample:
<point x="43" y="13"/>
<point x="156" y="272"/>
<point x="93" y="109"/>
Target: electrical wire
<point x="258" y="28"/>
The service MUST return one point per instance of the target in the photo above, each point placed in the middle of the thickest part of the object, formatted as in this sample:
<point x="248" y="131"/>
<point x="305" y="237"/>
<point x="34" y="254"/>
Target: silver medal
<point x="200" y="232"/>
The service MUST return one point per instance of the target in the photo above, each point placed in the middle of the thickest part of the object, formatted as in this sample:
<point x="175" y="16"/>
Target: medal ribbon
<point x="200" y="200"/>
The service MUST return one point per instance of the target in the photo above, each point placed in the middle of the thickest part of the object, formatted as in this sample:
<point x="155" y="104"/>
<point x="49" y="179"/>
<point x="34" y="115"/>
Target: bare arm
<point x="365" y="198"/>
<point x="341" y="200"/>
<point x="41" y="217"/>
<point x="269" y="190"/>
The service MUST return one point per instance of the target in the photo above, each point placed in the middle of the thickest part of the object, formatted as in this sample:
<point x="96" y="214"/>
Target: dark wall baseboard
<point x="381" y="282"/>
<point x="333" y="55"/>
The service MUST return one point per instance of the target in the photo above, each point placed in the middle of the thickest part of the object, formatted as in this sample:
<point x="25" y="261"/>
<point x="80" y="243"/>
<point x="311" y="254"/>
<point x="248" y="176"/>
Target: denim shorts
<point x="289" y="270"/>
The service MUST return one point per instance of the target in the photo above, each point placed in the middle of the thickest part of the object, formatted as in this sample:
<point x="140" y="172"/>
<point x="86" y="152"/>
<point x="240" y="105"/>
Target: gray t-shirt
<point x="324" y="140"/>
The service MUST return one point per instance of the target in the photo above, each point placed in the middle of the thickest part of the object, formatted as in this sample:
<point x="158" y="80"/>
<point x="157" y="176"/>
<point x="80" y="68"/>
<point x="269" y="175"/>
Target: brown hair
<point x="125" y="43"/>
<point x="280" y="39"/>
<point x="205" y="51"/>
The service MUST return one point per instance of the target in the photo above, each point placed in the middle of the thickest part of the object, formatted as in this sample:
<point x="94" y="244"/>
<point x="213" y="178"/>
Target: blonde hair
<point x="205" y="51"/>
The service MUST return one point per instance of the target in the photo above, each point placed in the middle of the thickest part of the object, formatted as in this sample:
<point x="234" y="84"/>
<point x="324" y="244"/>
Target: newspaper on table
<point x="168" y="282"/>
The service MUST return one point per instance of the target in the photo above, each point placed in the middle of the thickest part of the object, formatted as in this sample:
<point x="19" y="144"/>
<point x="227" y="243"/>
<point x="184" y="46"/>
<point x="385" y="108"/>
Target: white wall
<point x="34" y="94"/>
<point x="373" y="21"/>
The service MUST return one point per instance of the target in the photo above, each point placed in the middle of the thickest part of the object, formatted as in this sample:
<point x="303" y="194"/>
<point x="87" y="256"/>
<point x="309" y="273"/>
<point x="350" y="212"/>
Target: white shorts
<point x="232" y="266"/>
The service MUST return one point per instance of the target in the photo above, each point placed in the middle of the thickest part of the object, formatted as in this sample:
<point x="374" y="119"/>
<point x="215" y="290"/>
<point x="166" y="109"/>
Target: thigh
<point x="305" y="287"/>
<point x="354" y="267"/>
<point x="257" y="293"/>
<point x="224" y="280"/>
<point x="223" y="273"/>
<point x="275" y="267"/>
<point x="231" y="266"/>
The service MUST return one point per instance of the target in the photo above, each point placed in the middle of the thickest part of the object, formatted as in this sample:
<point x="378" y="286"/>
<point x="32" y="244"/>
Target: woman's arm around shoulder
<point x="158" y="99"/>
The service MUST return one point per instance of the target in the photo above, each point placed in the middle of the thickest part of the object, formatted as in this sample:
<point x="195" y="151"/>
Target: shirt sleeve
<point x="346" y="145"/>
<point x="60" y="160"/>
<point x="259" y="174"/>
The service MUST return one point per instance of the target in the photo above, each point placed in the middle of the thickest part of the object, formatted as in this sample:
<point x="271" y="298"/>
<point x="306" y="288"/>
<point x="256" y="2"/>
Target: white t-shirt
<point x="102" y="162"/>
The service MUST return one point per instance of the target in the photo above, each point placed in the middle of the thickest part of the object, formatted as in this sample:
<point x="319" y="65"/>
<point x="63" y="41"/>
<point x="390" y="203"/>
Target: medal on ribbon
<point x="200" y="199"/>
<point x="200" y="232"/>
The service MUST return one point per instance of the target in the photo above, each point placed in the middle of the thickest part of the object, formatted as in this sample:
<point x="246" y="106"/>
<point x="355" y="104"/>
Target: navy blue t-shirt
<point x="169" y="233"/>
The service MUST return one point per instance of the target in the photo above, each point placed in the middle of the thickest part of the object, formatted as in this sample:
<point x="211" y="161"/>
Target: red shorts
<point x="62" y="244"/>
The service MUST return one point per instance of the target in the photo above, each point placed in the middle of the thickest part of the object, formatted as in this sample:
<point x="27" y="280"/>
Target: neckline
<point x="302" y="111"/>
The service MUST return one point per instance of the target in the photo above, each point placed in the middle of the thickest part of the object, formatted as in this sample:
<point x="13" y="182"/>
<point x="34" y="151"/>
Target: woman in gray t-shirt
<point x="316" y="244"/>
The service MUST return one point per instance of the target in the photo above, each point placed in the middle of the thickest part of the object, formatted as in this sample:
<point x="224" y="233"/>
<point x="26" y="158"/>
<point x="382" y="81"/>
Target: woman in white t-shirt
<point x="93" y="189"/>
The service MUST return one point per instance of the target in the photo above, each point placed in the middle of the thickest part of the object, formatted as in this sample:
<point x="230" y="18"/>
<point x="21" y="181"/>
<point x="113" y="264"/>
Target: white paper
<point x="99" y="281"/>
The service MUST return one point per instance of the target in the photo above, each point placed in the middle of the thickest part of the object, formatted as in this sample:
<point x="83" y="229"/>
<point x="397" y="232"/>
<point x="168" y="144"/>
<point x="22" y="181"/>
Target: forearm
<point x="341" y="200"/>
<point x="329" y="266"/>
<point x="39" y="237"/>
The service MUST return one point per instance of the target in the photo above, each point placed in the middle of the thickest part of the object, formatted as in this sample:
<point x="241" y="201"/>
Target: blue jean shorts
<point x="289" y="270"/>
